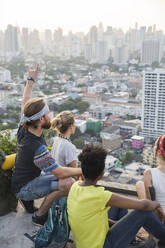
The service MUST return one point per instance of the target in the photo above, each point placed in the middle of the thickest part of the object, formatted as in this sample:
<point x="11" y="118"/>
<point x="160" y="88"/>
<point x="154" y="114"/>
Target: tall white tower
<point x="11" y="39"/>
<point x="153" y="104"/>
<point x="151" y="52"/>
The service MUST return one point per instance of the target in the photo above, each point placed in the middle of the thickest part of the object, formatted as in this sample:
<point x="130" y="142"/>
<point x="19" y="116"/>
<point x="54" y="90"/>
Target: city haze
<point x="80" y="15"/>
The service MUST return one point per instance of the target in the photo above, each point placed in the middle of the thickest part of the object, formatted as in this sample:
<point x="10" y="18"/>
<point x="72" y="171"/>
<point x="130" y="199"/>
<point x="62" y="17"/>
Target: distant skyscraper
<point x="1" y="41"/>
<point x="151" y="52"/>
<point x="34" y="39"/>
<point x="88" y="52"/>
<point x="93" y="34"/>
<point x="100" y="31"/>
<point x="25" y="39"/>
<point x="133" y="39"/>
<point x="101" y="51"/>
<point x="11" y="39"/>
<point x="48" y="36"/>
<point x="58" y="35"/>
<point x="153" y="103"/>
<point x="154" y="28"/>
<point x="120" y="54"/>
<point x="142" y="33"/>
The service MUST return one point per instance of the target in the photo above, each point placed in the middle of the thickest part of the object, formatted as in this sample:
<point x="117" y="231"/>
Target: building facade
<point x="153" y="104"/>
<point x="151" y="51"/>
<point x="110" y="141"/>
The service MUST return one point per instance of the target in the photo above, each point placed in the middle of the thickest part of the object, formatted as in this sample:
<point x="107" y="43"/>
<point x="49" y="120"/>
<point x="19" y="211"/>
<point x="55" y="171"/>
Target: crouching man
<point x="33" y="157"/>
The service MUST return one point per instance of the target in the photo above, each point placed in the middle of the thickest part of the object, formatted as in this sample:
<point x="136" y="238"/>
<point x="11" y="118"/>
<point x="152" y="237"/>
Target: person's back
<point x="154" y="178"/>
<point x="88" y="206"/>
<point x="25" y="169"/>
<point x="158" y="181"/>
<point x="63" y="149"/>
<point x="88" y="214"/>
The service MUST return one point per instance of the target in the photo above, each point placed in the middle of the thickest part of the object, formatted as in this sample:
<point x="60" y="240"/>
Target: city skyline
<point x="79" y="16"/>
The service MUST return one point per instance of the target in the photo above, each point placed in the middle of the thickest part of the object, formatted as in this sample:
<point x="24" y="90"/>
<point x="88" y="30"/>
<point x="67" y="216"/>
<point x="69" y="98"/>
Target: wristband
<point x="30" y="79"/>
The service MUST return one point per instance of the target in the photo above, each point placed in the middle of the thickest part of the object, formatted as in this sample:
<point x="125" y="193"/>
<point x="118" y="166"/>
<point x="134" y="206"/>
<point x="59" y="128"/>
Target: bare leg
<point x="64" y="186"/>
<point x="48" y="200"/>
<point x="140" y="189"/>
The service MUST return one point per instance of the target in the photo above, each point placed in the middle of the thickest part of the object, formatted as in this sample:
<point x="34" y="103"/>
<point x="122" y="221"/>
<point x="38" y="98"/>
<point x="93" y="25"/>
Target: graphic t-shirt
<point x="32" y="157"/>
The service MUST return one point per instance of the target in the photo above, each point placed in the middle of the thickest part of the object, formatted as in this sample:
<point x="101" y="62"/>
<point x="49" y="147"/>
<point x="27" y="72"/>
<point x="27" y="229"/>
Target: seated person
<point x="154" y="178"/>
<point x="33" y="156"/>
<point x="63" y="150"/>
<point x="88" y="205"/>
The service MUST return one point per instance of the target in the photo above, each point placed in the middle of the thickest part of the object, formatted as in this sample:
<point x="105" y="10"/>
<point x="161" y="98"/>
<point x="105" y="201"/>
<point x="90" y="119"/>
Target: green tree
<point x="7" y="197"/>
<point x="76" y="135"/>
<point x="129" y="156"/>
<point x="163" y="59"/>
<point x="91" y="132"/>
<point x="68" y="105"/>
<point x="155" y="64"/>
<point x="79" y="143"/>
<point x="82" y="106"/>
<point x="133" y="92"/>
<point x="7" y="144"/>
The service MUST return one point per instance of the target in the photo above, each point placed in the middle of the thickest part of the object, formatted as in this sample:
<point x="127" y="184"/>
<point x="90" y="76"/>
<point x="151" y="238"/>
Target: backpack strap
<point x="31" y="237"/>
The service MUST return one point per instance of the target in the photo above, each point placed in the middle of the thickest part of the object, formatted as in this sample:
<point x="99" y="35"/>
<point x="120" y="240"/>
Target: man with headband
<point x="33" y="157"/>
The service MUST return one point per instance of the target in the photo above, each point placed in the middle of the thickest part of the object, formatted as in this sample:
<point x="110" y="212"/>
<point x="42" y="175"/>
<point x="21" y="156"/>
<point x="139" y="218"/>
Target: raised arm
<point x="32" y="74"/>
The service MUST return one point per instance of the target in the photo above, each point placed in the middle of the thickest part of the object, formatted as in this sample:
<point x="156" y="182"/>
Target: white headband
<point x="36" y="116"/>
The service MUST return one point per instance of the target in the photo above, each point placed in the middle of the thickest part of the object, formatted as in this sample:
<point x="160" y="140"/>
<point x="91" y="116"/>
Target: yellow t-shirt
<point x="88" y="217"/>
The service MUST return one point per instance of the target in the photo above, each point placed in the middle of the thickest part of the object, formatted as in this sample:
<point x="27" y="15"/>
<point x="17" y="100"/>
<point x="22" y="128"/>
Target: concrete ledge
<point x="128" y="189"/>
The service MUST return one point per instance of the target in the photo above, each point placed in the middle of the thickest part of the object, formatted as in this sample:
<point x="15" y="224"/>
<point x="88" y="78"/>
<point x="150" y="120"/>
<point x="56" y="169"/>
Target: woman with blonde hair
<point x="63" y="149"/>
<point x="154" y="178"/>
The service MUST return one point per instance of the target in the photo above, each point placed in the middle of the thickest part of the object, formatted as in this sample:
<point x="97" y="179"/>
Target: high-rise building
<point x="153" y="103"/>
<point x="1" y="42"/>
<point x="11" y="39"/>
<point x="142" y="33"/>
<point x="58" y="35"/>
<point x="100" y="31"/>
<point x="92" y="35"/>
<point x="120" y="54"/>
<point x="25" y="39"/>
<point x="48" y="36"/>
<point x="133" y="39"/>
<point x="34" y="40"/>
<point x="151" y="52"/>
<point x="101" y="51"/>
<point x="88" y="52"/>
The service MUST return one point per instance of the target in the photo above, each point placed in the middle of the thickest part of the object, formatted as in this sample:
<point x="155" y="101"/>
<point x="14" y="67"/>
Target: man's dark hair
<point x="92" y="160"/>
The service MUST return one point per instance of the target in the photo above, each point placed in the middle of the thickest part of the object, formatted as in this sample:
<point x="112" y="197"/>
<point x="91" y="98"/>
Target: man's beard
<point x="46" y="125"/>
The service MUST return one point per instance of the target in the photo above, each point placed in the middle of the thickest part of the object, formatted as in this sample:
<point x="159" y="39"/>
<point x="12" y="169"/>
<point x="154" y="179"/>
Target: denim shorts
<point x="38" y="187"/>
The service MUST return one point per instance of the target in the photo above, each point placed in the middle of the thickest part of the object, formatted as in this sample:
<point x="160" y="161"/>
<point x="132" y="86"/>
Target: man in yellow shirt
<point x="88" y="207"/>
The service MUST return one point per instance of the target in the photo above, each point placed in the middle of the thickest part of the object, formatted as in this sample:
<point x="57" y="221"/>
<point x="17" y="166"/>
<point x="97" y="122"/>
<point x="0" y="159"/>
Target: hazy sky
<point x="79" y="15"/>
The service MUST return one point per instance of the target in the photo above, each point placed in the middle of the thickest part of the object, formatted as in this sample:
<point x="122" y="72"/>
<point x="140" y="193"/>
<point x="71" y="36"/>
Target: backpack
<point x="55" y="231"/>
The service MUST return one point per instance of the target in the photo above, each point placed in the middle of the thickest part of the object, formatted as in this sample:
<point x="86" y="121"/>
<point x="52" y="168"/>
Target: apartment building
<point x="110" y="141"/>
<point x="153" y="103"/>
